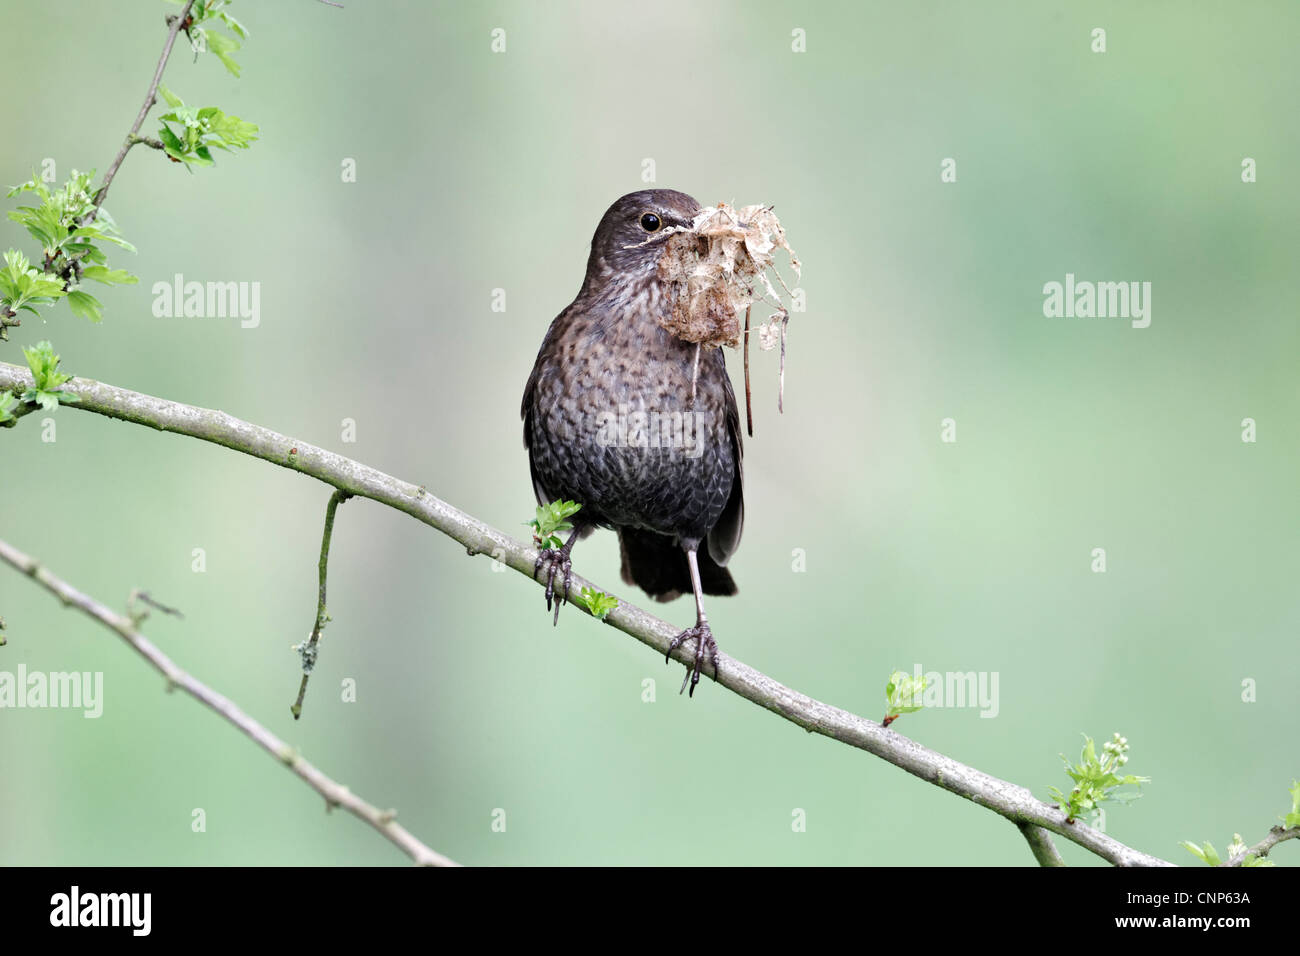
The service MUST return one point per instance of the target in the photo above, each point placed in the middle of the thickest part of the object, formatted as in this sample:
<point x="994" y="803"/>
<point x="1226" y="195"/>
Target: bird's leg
<point x="556" y="559"/>
<point x="705" y="645"/>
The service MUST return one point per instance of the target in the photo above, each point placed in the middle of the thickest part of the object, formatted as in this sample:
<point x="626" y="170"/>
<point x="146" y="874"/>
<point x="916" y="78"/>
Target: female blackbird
<point x="637" y="425"/>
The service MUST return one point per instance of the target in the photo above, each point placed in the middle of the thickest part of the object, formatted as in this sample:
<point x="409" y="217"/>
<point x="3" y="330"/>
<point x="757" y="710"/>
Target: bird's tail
<point x="654" y="563"/>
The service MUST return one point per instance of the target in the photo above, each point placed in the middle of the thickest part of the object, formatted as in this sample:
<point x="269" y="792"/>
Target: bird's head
<point x="627" y="242"/>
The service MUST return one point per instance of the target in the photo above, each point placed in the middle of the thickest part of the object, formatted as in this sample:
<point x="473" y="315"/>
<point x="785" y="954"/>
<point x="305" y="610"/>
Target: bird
<point x="638" y="426"/>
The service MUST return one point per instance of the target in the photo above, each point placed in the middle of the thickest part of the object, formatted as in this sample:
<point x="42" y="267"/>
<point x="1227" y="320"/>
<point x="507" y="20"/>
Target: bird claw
<point x="705" y="646"/>
<point x="554" y="559"/>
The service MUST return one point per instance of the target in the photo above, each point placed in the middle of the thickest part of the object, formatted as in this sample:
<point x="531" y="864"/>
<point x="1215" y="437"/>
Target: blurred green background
<point x="478" y="171"/>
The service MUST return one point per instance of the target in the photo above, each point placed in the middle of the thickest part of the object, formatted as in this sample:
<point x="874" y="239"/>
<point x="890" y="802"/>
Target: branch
<point x="21" y="410"/>
<point x="1275" y="836"/>
<point x="149" y="141"/>
<point x="149" y="99"/>
<point x="308" y="650"/>
<point x="335" y="794"/>
<point x="1040" y="842"/>
<point x="1009" y="800"/>
<point x="8" y="320"/>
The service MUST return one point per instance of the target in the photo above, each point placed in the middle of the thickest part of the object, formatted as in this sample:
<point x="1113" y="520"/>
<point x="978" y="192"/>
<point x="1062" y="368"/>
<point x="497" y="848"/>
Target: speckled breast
<point x="615" y="428"/>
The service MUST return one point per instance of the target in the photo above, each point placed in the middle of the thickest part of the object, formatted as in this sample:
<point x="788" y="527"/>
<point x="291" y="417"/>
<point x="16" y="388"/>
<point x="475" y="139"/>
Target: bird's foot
<point x="555" y="560"/>
<point x="705" y="646"/>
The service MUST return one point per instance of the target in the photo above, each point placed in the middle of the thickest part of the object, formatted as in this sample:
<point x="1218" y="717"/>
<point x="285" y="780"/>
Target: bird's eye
<point x="650" y="222"/>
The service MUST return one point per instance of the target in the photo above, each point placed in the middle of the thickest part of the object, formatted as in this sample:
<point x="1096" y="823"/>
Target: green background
<point x="478" y="171"/>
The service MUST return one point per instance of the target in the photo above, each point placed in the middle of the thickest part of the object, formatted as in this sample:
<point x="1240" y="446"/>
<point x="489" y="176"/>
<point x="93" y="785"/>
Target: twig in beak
<point x="695" y="375"/>
<point x="780" y="394"/>
<point x="749" y="403"/>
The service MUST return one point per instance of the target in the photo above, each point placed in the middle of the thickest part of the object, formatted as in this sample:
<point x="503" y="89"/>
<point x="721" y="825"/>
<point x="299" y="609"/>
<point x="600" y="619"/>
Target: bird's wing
<point x="724" y="538"/>
<point x="527" y="407"/>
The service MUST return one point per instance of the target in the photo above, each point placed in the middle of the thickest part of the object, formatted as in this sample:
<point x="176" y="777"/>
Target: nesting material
<point x="718" y="267"/>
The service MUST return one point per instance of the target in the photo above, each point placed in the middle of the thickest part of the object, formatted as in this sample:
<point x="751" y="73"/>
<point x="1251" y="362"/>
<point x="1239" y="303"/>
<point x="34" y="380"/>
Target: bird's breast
<point x="623" y="420"/>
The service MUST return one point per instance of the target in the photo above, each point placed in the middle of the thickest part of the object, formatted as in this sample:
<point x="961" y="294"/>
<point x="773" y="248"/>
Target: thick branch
<point x="1009" y="800"/>
<point x="335" y="794"/>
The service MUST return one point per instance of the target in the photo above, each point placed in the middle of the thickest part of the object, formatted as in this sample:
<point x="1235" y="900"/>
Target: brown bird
<point x="637" y="425"/>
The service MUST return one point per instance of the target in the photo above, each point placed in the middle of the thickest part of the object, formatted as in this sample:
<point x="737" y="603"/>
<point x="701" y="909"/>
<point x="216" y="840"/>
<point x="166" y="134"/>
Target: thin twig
<point x="780" y="392"/>
<point x="308" y="650"/>
<point x="1009" y="800"/>
<point x="749" y="399"/>
<point x="695" y="375"/>
<point x="335" y="794"/>
<point x="144" y="597"/>
<point x="1040" y="842"/>
<point x="149" y="141"/>
<point x="149" y="99"/>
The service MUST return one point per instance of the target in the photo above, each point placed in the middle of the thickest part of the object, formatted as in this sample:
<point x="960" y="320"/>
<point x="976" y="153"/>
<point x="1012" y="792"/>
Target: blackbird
<point x="637" y="425"/>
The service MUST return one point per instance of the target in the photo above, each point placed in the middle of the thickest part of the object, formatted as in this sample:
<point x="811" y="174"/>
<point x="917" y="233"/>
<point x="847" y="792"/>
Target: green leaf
<point x="105" y="232"/>
<point x="46" y="378"/>
<point x="1292" y="819"/>
<point x="221" y="46"/>
<point x="231" y="131"/>
<point x="1238" y="848"/>
<point x="109" y="276"/>
<point x="21" y="286"/>
<point x="7" y="404"/>
<point x="40" y="225"/>
<point x="67" y="246"/>
<point x="44" y="366"/>
<point x="1096" y="779"/>
<point x="118" y="241"/>
<point x="598" y="602"/>
<point x="202" y="130"/>
<point x="171" y="142"/>
<point x="171" y="98"/>
<point x="552" y="518"/>
<point x="85" y="305"/>
<point x="903" y="694"/>
<point x="33" y="185"/>
<point x="47" y="400"/>
<point x="233" y="25"/>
